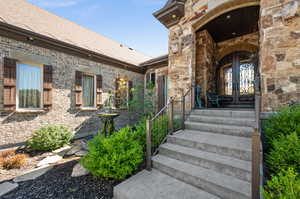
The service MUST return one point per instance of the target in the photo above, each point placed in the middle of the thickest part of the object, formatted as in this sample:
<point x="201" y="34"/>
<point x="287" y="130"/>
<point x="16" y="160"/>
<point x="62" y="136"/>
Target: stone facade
<point x="277" y="43"/>
<point x="205" y="62"/>
<point x="279" y="52"/>
<point x="17" y="127"/>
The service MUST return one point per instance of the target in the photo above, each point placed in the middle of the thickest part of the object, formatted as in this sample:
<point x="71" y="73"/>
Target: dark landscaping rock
<point x="58" y="184"/>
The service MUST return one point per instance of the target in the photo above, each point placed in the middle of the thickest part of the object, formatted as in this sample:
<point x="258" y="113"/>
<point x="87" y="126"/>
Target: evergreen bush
<point x="285" y="185"/>
<point x="114" y="157"/>
<point x="285" y="122"/>
<point x="285" y="153"/>
<point x="49" y="138"/>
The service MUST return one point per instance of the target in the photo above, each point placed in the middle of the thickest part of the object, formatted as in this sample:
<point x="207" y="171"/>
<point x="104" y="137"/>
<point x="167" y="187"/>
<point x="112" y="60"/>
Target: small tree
<point x="143" y="99"/>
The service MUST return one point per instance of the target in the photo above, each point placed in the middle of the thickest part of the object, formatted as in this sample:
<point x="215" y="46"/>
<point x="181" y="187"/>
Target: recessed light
<point x="228" y="16"/>
<point x="234" y="33"/>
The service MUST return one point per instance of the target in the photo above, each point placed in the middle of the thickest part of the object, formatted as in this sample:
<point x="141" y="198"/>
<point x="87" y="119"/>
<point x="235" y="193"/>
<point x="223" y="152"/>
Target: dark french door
<point x="238" y="75"/>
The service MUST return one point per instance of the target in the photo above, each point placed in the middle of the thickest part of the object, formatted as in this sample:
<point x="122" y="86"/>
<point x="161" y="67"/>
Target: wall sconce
<point x="30" y="38"/>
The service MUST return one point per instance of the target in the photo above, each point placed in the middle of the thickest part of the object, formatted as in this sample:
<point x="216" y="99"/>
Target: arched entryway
<point x="235" y="79"/>
<point x="225" y="64"/>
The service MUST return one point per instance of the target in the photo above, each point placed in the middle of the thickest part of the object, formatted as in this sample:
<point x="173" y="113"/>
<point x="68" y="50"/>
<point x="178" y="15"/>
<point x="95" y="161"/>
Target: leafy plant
<point x="285" y="153"/>
<point x="285" y="122"/>
<point x="159" y="130"/>
<point x="113" y="157"/>
<point x="139" y="132"/>
<point x="49" y="138"/>
<point x="147" y="106"/>
<point x="285" y="185"/>
<point x="11" y="160"/>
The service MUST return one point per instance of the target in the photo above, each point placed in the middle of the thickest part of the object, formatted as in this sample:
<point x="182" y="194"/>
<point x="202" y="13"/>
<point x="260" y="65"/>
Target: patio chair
<point x="213" y="99"/>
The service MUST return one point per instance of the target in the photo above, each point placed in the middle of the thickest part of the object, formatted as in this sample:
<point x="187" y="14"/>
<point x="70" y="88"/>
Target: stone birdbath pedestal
<point x="108" y="122"/>
<point x="107" y="117"/>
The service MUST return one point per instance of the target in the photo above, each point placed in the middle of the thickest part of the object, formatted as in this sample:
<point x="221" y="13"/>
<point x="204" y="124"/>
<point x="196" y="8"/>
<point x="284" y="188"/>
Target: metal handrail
<point x="256" y="143"/>
<point x="162" y="110"/>
<point x="149" y="124"/>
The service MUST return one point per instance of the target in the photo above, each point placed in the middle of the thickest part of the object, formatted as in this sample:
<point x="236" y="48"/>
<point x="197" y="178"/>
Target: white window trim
<point x="42" y="87"/>
<point x="95" y="92"/>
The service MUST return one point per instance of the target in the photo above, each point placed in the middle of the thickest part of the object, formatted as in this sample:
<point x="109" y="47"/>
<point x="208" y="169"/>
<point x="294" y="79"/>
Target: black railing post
<point x="149" y="144"/>
<point x="171" y="116"/>
<point x="183" y="110"/>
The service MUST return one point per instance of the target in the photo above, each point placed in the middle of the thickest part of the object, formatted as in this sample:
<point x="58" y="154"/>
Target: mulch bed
<point x="58" y="184"/>
<point x="32" y="160"/>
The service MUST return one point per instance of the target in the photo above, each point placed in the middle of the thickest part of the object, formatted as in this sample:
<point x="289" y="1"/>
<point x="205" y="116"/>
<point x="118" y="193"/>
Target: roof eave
<point x="20" y="34"/>
<point x="158" y="62"/>
<point x="171" y="14"/>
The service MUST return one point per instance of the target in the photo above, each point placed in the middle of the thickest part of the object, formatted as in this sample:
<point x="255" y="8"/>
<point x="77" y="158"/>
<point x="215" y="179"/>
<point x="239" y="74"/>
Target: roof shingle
<point x="24" y="15"/>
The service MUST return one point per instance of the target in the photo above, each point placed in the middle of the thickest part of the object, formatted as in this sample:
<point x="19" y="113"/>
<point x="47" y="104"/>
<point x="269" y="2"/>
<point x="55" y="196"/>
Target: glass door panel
<point x="246" y="79"/>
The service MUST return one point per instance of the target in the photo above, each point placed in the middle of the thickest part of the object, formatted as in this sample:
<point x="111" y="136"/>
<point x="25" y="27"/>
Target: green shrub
<point x="159" y="130"/>
<point x="285" y="153"/>
<point x="113" y="157"/>
<point x="285" y="122"/>
<point x="49" y="138"/>
<point x="285" y="185"/>
<point x="140" y="132"/>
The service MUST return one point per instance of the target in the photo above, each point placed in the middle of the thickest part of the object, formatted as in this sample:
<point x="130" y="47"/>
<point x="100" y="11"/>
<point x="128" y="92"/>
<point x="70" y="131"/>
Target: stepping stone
<point x="49" y="160"/>
<point x="7" y="187"/>
<point x="33" y="174"/>
<point x="73" y="150"/>
<point x="79" y="170"/>
<point x="80" y="153"/>
<point x="62" y="151"/>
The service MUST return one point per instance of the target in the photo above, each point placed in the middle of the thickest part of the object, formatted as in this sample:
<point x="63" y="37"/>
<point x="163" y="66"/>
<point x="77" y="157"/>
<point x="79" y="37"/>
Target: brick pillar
<point x="279" y="52"/>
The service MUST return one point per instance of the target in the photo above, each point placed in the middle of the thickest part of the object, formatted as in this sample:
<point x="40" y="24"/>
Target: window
<point x="88" y="88"/>
<point x="122" y="94"/>
<point x="152" y="78"/>
<point x="29" y="86"/>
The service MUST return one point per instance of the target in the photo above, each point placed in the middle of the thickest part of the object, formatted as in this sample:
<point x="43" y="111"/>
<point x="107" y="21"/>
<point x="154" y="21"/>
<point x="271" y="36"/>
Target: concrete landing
<point x="156" y="185"/>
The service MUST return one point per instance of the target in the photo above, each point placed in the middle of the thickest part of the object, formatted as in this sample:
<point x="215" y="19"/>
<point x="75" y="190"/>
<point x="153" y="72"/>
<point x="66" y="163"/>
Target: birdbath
<point x="108" y="115"/>
<point x="107" y="119"/>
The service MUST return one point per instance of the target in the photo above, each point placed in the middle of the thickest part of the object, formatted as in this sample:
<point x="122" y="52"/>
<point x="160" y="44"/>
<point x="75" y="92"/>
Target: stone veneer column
<point x="181" y="64"/>
<point x="279" y="52"/>
<point x="205" y="62"/>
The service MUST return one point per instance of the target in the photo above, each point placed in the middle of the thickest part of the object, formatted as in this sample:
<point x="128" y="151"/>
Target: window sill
<point x="30" y="111"/>
<point x="89" y="109"/>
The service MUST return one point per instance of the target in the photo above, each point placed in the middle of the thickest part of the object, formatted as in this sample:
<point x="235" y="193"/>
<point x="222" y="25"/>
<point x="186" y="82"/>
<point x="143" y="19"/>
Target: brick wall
<point x="17" y="127"/>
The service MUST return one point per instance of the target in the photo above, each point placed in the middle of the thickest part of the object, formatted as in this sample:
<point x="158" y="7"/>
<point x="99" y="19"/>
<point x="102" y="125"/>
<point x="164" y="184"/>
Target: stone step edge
<point x="218" y="125"/>
<point x="224" y="186"/>
<point x="217" y="160"/>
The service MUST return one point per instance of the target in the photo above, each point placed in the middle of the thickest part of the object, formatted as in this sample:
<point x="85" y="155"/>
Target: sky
<point x="129" y="22"/>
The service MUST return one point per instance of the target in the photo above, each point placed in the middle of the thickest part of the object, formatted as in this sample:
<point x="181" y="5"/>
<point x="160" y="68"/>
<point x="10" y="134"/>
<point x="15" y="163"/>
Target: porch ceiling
<point x="233" y="24"/>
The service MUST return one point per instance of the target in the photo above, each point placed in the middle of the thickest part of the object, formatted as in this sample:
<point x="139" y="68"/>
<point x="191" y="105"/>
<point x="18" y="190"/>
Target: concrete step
<point x="248" y="122"/>
<point x="225" y="113"/>
<point x="220" y="128"/>
<point x="226" y="187"/>
<point x="240" y="169"/>
<point x="232" y="146"/>
<point x="157" y="185"/>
